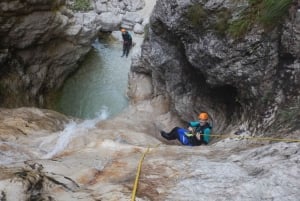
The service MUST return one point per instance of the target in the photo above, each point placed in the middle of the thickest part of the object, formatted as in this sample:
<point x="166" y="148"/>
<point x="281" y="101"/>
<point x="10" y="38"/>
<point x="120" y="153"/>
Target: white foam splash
<point x="73" y="130"/>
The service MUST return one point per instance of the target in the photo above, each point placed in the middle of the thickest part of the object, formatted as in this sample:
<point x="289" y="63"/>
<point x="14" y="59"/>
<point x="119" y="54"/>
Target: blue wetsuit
<point x="185" y="138"/>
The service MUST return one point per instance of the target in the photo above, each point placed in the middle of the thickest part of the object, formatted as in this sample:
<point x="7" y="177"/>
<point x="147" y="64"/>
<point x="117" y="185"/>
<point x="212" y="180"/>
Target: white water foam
<point x="73" y="130"/>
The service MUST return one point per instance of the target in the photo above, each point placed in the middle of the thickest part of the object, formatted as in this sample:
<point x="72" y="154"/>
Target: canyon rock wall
<point x="41" y="43"/>
<point x="192" y="57"/>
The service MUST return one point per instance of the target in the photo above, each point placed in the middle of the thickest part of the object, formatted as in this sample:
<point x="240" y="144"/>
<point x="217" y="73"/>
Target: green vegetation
<point x="196" y="14"/>
<point x="239" y="27"/>
<point x="81" y="5"/>
<point x="222" y="18"/>
<point x="273" y="11"/>
<point x="267" y="13"/>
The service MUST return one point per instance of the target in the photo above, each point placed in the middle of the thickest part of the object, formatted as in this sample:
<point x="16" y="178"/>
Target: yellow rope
<point x="212" y="135"/>
<point x="257" y="138"/>
<point x="138" y="174"/>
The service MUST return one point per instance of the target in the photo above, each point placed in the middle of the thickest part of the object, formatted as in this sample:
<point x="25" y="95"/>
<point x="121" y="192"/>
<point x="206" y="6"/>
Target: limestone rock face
<point x="41" y="44"/>
<point x="48" y="156"/>
<point x="251" y="81"/>
<point x="43" y="41"/>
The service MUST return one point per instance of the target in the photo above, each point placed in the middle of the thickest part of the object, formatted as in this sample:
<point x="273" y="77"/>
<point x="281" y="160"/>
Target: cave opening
<point x="226" y="97"/>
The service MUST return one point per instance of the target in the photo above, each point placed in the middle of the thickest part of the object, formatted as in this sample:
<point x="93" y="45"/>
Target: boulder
<point x="138" y="28"/>
<point x="109" y="21"/>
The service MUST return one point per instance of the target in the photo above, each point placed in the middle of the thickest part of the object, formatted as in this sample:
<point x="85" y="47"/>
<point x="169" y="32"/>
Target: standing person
<point x="198" y="132"/>
<point x="127" y="42"/>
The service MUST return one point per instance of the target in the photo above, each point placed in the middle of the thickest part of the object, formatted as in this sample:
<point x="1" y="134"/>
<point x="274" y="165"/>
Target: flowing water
<point x="72" y="130"/>
<point x="100" y="83"/>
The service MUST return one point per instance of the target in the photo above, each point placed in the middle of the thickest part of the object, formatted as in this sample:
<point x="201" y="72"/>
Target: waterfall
<point x="72" y="130"/>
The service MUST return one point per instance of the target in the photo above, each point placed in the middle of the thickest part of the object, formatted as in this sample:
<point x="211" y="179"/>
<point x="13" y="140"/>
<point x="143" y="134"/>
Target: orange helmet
<point x="203" y="116"/>
<point x="123" y="30"/>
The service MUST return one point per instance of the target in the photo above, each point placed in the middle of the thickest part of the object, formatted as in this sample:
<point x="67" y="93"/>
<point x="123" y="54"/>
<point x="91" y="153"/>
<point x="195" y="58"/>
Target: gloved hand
<point x="198" y="136"/>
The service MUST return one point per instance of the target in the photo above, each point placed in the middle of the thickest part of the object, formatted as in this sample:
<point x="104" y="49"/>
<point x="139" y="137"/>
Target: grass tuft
<point x="267" y="13"/>
<point x="196" y="15"/>
<point x="81" y="5"/>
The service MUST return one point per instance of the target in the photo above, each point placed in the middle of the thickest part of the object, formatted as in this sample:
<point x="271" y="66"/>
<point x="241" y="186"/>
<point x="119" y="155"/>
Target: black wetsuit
<point x="127" y="42"/>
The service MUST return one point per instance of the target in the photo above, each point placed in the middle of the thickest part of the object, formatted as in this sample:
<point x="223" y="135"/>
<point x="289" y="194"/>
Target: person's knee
<point x="175" y="130"/>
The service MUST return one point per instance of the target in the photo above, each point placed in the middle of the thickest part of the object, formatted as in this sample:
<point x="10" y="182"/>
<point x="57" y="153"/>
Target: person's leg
<point x="127" y="50"/>
<point x="182" y="137"/>
<point x="173" y="135"/>
<point x="124" y="50"/>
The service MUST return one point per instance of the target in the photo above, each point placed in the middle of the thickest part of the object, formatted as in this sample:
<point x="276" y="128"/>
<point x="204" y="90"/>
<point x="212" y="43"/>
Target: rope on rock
<point x="256" y="138"/>
<point x="138" y="174"/>
<point x="212" y="135"/>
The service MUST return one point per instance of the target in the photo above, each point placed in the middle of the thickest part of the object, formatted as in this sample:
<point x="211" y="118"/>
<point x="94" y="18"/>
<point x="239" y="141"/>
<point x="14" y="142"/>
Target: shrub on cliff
<point x="267" y="13"/>
<point x="81" y="5"/>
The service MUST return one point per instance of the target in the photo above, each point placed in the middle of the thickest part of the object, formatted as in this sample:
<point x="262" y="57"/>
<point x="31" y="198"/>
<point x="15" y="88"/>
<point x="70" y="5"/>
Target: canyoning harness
<point x="204" y="132"/>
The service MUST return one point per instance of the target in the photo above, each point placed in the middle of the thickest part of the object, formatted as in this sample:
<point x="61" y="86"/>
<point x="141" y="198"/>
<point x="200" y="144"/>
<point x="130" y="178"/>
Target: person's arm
<point x="192" y="126"/>
<point x="206" y="135"/>
<point x="129" y="39"/>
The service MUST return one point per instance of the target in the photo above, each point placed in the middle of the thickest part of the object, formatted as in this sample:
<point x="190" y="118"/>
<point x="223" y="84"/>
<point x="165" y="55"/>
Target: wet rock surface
<point x="48" y="156"/>
<point x="97" y="160"/>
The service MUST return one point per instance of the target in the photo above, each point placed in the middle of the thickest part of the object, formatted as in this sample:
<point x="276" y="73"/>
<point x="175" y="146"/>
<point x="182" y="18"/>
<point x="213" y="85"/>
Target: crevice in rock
<point x="227" y="97"/>
<point x="287" y="58"/>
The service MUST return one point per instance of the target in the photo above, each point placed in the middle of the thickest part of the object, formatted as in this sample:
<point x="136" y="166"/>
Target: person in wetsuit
<point x="198" y="132"/>
<point x="127" y="42"/>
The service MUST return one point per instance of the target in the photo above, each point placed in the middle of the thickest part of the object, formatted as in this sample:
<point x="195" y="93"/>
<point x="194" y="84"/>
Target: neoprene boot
<point x="168" y="136"/>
